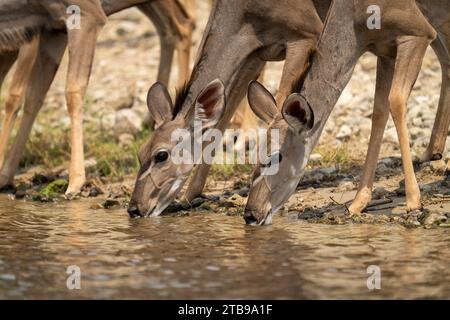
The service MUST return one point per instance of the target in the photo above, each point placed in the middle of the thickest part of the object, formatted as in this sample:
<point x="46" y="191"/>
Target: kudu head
<point x="162" y="172"/>
<point x="294" y="123"/>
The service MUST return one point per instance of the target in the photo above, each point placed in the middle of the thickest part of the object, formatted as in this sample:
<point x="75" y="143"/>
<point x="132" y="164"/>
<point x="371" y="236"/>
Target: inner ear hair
<point x="298" y="113"/>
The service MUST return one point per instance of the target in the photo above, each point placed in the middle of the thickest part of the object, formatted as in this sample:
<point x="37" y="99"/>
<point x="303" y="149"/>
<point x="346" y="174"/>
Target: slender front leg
<point x="184" y="45"/>
<point x="298" y="55"/>
<point x="81" y="54"/>
<point x="191" y="8"/>
<point x="385" y="72"/>
<point x="248" y="121"/>
<point x="410" y="53"/>
<point x="175" y="28"/>
<point x="25" y="62"/>
<point x="439" y="135"/>
<point x="7" y="59"/>
<point x="50" y="52"/>
<point x="159" y="14"/>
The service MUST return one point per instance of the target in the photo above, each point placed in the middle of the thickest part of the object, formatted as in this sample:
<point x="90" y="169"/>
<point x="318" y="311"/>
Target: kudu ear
<point x="159" y="104"/>
<point x="210" y="104"/>
<point x="262" y="102"/>
<point x="298" y="113"/>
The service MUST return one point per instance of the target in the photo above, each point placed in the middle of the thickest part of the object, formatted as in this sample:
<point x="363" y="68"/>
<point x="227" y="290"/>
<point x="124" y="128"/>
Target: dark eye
<point x="161" y="156"/>
<point x="274" y="158"/>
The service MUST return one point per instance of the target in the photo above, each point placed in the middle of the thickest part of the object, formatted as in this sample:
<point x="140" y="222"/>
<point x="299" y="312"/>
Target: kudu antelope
<point x="408" y="27"/>
<point x="241" y="35"/>
<point x="38" y="29"/>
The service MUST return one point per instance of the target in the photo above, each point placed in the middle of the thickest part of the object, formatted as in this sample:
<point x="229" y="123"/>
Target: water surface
<point x="205" y="256"/>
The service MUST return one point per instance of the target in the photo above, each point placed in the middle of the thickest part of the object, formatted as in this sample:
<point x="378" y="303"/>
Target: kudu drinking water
<point x="407" y="29"/>
<point x="240" y="37"/>
<point x="39" y="30"/>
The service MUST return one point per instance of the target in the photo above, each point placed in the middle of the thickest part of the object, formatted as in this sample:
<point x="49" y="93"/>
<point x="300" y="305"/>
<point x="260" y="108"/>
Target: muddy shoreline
<point x="322" y="196"/>
<point x="126" y="63"/>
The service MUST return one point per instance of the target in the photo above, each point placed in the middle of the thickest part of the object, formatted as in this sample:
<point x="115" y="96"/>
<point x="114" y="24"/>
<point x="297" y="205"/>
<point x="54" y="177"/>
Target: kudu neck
<point x="337" y="54"/>
<point x="226" y="52"/>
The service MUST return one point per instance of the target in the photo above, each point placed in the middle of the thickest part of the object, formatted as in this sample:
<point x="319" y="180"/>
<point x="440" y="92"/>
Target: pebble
<point x="316" y="157"/>
<point x="344" y="133"/>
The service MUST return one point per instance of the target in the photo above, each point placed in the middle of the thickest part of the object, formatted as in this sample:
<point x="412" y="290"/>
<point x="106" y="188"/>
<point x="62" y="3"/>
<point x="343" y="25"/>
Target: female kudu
<point x="240" y="37"/>
<point x="407" y="29"/>
<point x="39" y="59"/>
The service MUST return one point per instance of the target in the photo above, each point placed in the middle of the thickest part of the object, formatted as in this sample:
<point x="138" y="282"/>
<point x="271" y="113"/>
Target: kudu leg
<point x="25" y="62"/>
<point x="297" y="57"/>
<point x="435" y="149"/>
<point x="191" y="8"/>
<point x="410" y="54"/>
<point x="175" y="28"/>
<point x="385" y="72"/>
<point x="184" y="55"/>
<point x="50" y="52"/>
<point x="7" y="60"/>
<point x="159" y="15"/>
<point x="81" y="54"/>
<point x="245" y="120"/>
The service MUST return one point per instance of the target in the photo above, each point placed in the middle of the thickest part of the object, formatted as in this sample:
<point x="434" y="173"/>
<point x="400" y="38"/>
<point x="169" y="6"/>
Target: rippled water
<point x="210" y="256"/>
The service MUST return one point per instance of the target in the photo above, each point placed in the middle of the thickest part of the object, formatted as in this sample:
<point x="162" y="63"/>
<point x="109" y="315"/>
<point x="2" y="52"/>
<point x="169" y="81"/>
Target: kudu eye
<point x="161" y="156"/>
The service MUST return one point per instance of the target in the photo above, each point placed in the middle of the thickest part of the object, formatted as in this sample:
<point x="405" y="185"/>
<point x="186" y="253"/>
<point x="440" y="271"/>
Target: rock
<point x="315" y="157"/>
<point x="390" y="136"/>
<point x="329" y="171"/>
<point x="310" y="213"/>
<point x="126" y="140"/>
<point x="368" y="63"/>
<point x="126" y="27"/>
<point x="127" y="121"/>
<point x="344" y="133"/>
<point x="20" y="194"/>
<point x="234" y="201"/>
<point x="109" y="203"/>
<point x="64" y="122"/>
<point x="439" y="166"/>
<point x="346" y="98"/>
<point x="383" y="169"/>
<point x="108" y="121"/>
<point x="55" y="188"/>
<point x="95" y="191"/>
<point x="346" y="186"/>
<point x="90" y="163"/>
<point x="428" y="218"/>
<point x="127" y="101"/>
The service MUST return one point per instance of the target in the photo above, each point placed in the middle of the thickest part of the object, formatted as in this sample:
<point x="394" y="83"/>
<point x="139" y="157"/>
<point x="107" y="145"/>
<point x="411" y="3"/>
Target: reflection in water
<point x="210" y="256"/>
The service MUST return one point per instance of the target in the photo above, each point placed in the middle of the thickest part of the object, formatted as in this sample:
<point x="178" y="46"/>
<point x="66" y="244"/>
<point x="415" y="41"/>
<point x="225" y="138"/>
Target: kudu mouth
<point x="252" y="218"/>
<point x="158" y="204"/>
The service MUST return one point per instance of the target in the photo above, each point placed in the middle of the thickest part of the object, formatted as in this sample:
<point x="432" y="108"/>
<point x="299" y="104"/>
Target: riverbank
<point x="126" y="62"/>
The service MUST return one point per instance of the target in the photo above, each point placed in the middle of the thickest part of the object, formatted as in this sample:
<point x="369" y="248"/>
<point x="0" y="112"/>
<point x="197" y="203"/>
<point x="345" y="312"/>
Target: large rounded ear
<point x="159" y="104"/>
<point x="262" y="102"/>
<point x="298" y="113"/>
<point x="210" y="104"/>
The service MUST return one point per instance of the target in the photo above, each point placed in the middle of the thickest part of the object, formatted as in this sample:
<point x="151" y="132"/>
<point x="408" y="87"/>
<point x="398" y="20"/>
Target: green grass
<point x="51" y="148"/>
<point x="341" y="157"/>
<point x="225" y="171"/>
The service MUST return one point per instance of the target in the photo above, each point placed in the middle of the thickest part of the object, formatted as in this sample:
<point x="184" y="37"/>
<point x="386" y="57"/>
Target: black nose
<point x="249" y="218"/>
<point x="134" y="212"/>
